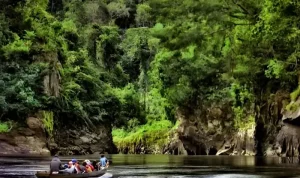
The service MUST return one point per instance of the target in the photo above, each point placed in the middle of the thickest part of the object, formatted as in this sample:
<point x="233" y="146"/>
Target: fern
<point x="47" y="118"/>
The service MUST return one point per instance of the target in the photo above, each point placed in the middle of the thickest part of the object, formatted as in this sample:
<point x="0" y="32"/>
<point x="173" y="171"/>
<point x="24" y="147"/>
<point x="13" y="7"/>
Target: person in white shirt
<point x="70" y="169"/>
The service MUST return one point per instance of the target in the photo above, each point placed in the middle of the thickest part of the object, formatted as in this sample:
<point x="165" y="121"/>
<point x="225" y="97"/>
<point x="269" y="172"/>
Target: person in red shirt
<point x="89" y="164"/>
<point x="87" y="167"/>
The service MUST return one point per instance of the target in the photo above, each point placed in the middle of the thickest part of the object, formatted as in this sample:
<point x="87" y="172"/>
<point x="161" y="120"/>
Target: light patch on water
<point x="107" y="175"/>
<point x="200" y="176"/>
<point x="236" y="176"/>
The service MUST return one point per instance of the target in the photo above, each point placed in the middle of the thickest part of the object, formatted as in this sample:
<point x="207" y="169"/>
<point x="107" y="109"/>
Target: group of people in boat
<point x="75" y="167"/>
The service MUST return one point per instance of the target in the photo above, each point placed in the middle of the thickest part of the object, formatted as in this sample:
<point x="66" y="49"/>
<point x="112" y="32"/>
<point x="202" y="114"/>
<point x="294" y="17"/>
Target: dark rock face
<point x="288" y="141"/>
<point x="175" y="146"/>
<point x="27" y="140"/>
<point x="277" y="131"/>
<point x="82" y="140"/>
<point x="210" y="132"/>
<point x="269" y="122"/>
<point x="33" y="140"/>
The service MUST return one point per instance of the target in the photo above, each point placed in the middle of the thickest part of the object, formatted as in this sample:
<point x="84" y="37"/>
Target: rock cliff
<point x="211" y="131"/>
<point x="82" y="140"/>
<point x="31" y="139"/>
<point x="25" y="140"/>
<point x="287" y="140"/>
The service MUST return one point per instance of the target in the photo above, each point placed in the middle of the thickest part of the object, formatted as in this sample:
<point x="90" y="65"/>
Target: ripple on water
<point x="200" y="176"/>
<point x="163" y="166"/>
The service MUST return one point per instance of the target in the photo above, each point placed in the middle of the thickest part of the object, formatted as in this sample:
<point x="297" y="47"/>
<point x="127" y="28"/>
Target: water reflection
<point x="162" y="166"/>
<point x="293" y="160"/>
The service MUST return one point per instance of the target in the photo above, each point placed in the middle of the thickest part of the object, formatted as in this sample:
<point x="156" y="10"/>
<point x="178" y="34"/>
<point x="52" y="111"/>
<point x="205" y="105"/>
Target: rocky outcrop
<point x="175" y="146"/>
<point x="27" y="140"/>
<point x="82" y="140"/>
<point x="210" y="132"/>
<point x="32" y="139"/>
<point x="287" y="140"/>
<point x="277" y="131"/>
<point x="293" y="112"/>
<point x="241" y="143"/>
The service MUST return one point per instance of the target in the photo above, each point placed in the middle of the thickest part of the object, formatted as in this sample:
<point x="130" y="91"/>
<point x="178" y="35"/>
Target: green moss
<point x="150" y="134"/>
<point x="47" y="118"/>
<point x="4" y="127"/>
<point x="294" y="95"/>
<point x="293" y="105"/>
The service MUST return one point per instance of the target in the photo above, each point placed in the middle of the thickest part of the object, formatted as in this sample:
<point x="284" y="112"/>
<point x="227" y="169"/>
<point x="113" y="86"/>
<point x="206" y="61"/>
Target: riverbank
<point x="189" y="136"/>
<point x="216" y="133"/>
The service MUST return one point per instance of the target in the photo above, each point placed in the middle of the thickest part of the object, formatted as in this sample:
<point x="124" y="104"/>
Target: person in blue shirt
<point x="103" y="162"/>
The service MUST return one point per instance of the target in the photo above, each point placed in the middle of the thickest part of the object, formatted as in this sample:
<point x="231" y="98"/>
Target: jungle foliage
<point x="133" y="63"/>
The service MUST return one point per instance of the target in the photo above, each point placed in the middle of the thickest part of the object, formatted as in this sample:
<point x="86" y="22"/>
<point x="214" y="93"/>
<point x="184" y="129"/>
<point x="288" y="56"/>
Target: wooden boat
<point x="46" y="174"/>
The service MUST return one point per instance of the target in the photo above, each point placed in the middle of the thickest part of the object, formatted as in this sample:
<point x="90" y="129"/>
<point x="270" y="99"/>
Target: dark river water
<point x="165" y="166"/>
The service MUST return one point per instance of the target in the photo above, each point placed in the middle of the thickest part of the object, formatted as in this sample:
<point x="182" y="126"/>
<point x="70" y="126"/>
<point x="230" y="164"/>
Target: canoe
<point x="46" y="174"/>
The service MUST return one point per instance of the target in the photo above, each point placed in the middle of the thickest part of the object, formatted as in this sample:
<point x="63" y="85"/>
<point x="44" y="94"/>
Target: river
<point x="168" y="166"/>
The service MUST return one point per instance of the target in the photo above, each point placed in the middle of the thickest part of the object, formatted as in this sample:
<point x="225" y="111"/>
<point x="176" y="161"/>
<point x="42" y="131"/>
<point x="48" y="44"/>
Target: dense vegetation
<point x="134" y="63"/>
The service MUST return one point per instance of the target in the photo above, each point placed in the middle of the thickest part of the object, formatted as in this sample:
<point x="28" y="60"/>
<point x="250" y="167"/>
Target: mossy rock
<point x="295" y="94"/>
<point x="292" y="110"/>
